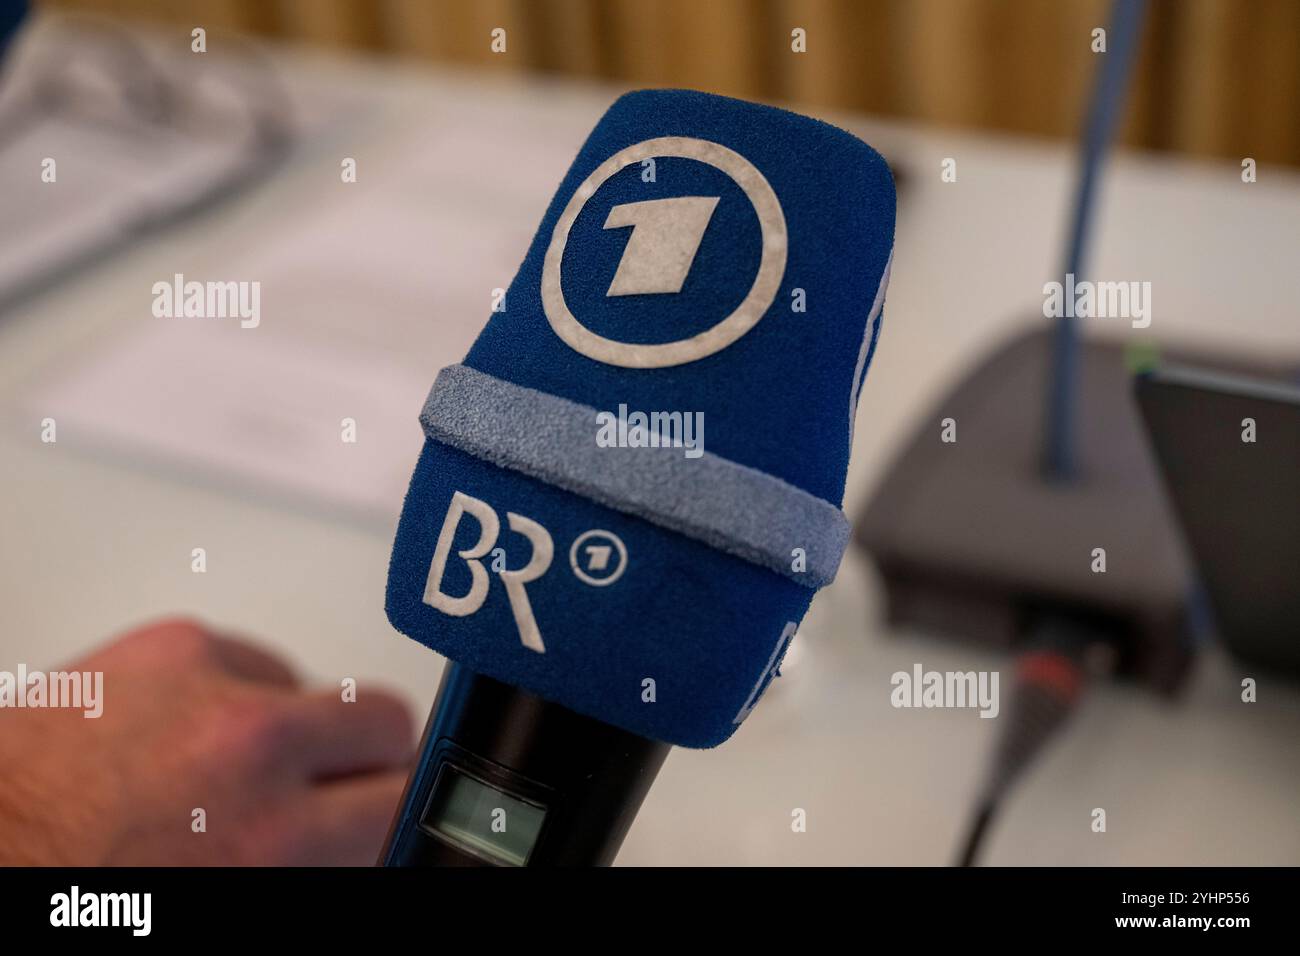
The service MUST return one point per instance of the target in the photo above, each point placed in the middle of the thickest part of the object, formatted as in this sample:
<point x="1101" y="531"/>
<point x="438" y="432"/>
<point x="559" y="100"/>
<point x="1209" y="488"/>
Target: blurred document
<point x="363" y="296"/>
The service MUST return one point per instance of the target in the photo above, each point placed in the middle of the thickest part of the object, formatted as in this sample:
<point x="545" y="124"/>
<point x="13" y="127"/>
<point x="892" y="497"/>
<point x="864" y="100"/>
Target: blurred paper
<point x="362" y="300"/>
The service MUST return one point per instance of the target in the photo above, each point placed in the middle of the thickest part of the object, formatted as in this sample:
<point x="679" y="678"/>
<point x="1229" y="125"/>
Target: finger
<point x="186" y="643"/>
<point x="329" y="737"/>
<point x="343" y="823"/>
<point x="248" y="661"/>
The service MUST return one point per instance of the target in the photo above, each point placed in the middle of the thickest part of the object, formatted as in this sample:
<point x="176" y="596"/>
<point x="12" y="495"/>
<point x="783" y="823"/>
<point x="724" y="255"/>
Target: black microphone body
<point x="577" y="782"/>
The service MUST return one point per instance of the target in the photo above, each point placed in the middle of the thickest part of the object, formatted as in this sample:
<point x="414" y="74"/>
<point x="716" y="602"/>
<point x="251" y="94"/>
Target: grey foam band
<point x="732" y="507"/>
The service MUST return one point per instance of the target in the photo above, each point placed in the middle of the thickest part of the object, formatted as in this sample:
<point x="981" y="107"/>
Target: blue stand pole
<point x="1103" y="112"/>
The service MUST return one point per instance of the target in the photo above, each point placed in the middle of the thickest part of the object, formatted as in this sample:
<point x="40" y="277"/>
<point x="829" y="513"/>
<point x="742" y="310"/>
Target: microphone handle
<point x="506" y="778"/>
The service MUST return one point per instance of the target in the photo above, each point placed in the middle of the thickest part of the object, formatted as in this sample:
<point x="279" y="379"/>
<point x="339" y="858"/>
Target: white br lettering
<point x="514" y="581"/>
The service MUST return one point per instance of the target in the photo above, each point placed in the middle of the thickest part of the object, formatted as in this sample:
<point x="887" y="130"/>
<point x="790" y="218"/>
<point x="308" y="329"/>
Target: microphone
<point x="607" y="575"/>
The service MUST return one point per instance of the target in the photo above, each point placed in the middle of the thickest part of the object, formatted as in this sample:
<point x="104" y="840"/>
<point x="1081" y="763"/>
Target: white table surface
<point x="91" y="544"/>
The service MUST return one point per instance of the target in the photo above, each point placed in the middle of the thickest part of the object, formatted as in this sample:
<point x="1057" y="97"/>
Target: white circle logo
<point x="771" y="267"/>
<point x="600" y="571"/>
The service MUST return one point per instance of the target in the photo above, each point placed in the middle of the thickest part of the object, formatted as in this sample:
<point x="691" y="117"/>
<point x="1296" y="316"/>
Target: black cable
<point x="975" y="835"/>
<point x="1047" y="687"/>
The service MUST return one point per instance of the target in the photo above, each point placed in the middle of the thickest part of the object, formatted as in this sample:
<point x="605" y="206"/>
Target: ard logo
<point x="665" y="236"/>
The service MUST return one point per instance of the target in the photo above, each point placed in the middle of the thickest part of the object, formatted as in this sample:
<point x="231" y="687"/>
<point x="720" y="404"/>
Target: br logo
<point x="666" y="235"/>
<point x="597" y="558"/>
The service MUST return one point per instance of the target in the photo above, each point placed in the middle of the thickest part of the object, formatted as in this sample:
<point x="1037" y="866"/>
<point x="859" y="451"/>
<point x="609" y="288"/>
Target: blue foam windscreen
<point x="11" y="16"/>
<point x="630" y="490"/>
